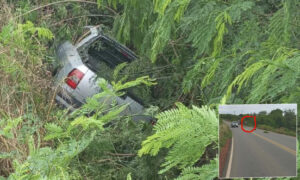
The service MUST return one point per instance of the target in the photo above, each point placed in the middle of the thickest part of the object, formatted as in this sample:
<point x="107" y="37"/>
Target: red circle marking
<point x="254" y="118"/>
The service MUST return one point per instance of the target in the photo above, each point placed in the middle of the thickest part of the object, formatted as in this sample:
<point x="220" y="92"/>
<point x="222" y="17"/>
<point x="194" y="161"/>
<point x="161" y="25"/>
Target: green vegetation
<point x="224" y="134"/>
<point x="277" y="130"/>
<point x="201" y="53"/>
<point x="199" y="128"/>
<point x="279" y="121"/>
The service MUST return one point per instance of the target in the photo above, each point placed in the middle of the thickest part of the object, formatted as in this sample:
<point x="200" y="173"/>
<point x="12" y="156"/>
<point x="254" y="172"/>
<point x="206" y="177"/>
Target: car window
<point x="107" y="51"/>
<point x="103" y="56"/>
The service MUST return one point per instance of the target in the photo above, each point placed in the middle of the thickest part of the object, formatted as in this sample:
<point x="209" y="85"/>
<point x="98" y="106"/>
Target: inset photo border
<point x="257" y="140"/>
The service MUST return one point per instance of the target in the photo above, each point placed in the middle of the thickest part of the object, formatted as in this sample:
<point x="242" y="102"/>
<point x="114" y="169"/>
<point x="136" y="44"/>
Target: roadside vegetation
<point x="193" y="55"/>
<point x="224" y="134"/>
<point x="277" y="130"/>
<point x="225" y="139"/>
<point x="283" y="122"/>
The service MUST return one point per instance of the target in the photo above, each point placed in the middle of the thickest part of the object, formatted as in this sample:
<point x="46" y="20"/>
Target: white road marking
<point x="230" y="161"/>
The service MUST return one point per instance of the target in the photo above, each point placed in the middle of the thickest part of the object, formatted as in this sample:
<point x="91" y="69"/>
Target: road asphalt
<point x="261" y="154"/>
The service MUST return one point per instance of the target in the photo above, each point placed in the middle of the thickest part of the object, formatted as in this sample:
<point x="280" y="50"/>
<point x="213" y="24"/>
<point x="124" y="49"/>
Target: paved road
<point x="260" y="154"/>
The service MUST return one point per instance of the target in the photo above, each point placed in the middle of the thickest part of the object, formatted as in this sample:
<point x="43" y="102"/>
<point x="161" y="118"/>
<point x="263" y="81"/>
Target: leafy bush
<point x="73" y="136"/>
<point x="177" y="129"/>
<point x="113" y="153"/>
<point x="201" y="52"/>
<point x="224" y="134"/>
<point x="25" y="89"/>
<point x="281" y="130"/>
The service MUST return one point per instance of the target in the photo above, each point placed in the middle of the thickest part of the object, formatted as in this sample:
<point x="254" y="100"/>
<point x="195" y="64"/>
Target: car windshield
<point x="108" y="51"/>
<point x="103" y="56"/>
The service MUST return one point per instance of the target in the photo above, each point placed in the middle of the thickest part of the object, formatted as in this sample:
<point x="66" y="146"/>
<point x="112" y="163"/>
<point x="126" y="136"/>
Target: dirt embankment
<point x="224" y="153"/>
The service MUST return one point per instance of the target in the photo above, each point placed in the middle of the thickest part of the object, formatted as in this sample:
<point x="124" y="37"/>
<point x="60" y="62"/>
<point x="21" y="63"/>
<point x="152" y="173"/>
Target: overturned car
<point x="80" y="65"/>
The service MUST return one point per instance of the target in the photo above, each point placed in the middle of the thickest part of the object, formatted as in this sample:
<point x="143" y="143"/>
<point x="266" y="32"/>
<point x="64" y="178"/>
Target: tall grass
<point x="280" y="130"/>
<point x="37" y="140"/>
<point x="224" y="134"/>
<point x="26" y="86"/>
<point x="26" y="56"/>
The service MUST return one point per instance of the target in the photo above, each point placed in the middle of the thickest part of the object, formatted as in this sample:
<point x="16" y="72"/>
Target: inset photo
<point x="257" y="140"/>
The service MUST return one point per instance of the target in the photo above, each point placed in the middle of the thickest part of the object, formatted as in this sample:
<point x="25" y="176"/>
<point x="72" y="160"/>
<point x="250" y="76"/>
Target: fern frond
<point x="179" y="128"/>
<point x="29" y="27"/>
<point x="280" y="25"/>
<point x="279" y="76"/>
<point x="146" y="80"/>
<point x="53" y="131"/>
<point x="210" y="73"/>
<point x="118" y="69"/>
<point x="245" y="76"/>
<point x="193" y="76"/>
<point x="161" y="5"/>
<point x="207" y="171"/>
<point x="9" y="125"/>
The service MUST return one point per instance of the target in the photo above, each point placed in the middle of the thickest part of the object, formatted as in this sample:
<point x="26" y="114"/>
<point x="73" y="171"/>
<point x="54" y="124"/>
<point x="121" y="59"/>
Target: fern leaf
<point x="179" y="128"/>
<point x="207" y="171"/>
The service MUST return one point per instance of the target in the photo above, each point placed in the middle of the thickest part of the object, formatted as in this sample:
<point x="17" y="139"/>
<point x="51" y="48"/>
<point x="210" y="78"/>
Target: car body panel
<point x="87" y="87"/>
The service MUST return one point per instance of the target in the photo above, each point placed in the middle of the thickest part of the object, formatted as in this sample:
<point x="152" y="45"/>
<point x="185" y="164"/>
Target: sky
<point x="254" y="108"/>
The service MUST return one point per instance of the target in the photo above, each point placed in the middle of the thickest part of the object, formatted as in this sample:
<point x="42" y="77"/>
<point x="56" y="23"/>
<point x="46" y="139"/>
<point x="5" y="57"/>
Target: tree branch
<point x="66" y="1"/>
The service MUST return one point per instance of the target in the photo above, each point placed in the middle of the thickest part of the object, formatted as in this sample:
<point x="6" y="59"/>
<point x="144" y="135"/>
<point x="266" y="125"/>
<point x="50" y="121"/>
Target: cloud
<point x="254" y="108"/>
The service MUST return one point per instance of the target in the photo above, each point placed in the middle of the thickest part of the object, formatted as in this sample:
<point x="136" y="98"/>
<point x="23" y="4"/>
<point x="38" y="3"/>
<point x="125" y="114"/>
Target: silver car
<point x="95" y="55"/>
<point x="234" y="124"/>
